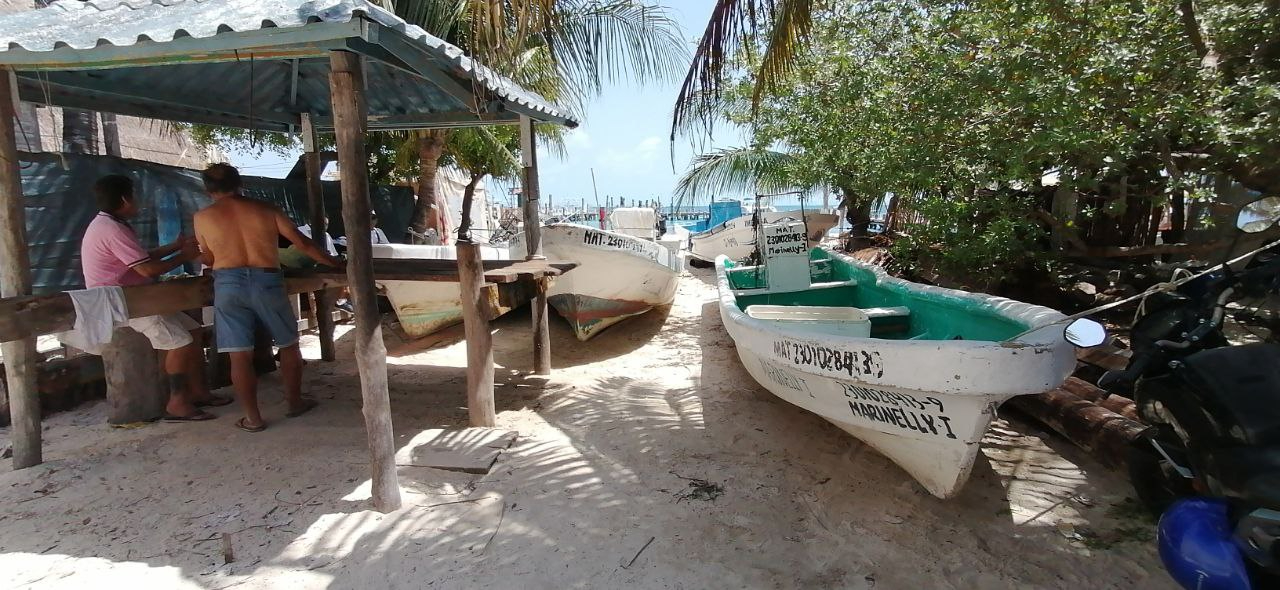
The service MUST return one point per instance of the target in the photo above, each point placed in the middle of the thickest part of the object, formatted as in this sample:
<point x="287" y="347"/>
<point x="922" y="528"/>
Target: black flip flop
<point x="199" y="416"/>
<point x="214" y="401"/>
<point x="245" y="427"/>
<point x="307" y="405"/>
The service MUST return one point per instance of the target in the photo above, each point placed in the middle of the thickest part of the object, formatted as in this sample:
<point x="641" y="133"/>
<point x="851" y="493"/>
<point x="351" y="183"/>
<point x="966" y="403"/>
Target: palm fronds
<point x="736" y="171"/>
<point x="734" y="26"/>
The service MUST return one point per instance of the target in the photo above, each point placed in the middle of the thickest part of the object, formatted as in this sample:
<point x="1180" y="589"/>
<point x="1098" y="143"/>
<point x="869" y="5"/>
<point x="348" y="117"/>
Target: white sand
<point x="589" y="481"/>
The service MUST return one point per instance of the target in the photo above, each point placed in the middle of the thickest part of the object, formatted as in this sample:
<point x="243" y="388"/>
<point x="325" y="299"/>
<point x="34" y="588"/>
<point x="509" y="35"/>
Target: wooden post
<point x="15" y="279"/>
<point x="346" y="90"/>
<point x="533" y="240"/>
<point x="541" y="329"/>
<point x="323" y="301"/>
<point x="136" y="388"/>
<point x="480" y="405"/>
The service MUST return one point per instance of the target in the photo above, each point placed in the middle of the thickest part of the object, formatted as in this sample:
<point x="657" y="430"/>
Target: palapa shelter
<point x="294" y="66"/>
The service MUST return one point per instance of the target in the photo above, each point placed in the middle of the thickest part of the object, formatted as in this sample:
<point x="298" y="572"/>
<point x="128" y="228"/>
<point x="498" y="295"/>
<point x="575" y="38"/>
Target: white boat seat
<point x="838" y="321"/>
<point x="900" y="311"/>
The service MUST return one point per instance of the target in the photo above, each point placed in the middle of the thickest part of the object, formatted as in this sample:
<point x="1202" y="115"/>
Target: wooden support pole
<point x="15" y="279"/>
<point x="346" y="89"/>
<point x="480" y="405"/>
<point x="541" y="331"/>
<point x="323" y="301"/>
<point x="533" y="241"/>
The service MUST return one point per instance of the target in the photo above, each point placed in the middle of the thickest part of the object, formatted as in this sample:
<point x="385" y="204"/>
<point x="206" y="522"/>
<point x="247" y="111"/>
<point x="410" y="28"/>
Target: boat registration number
<point x="644" y="248"/>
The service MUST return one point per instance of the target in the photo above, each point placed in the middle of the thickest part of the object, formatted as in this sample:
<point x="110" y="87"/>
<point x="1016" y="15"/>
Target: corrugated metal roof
<point x="71" y="42"/>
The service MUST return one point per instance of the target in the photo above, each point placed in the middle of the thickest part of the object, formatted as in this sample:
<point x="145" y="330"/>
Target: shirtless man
<point x="238" y="237"/>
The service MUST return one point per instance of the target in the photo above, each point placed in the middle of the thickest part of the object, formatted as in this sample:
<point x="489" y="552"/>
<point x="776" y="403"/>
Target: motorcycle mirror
<point x="1084" y="332"/>
<point x="1258" y="215"/>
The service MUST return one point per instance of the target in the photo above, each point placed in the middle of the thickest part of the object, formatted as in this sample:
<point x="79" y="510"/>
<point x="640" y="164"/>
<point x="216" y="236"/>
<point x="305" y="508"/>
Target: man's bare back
<point x="239" y="232"/>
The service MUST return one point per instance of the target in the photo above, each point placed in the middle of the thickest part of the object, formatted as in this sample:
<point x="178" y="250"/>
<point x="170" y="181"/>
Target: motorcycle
<point x="1209" y="463"/>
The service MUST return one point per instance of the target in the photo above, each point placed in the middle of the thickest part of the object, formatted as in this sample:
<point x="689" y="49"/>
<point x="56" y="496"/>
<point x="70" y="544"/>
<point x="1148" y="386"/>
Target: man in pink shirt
<point x="111" y="255"/>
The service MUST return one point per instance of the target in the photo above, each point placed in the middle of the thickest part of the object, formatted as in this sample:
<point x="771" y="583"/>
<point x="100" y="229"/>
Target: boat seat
<point x="900" y="311"/>
<point x="889" y="321"/>
<point x="838" y="321"/>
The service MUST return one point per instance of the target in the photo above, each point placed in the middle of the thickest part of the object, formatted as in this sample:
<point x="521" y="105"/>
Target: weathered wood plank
<point x="29" y="316"/>
<point x="346" y="84"/>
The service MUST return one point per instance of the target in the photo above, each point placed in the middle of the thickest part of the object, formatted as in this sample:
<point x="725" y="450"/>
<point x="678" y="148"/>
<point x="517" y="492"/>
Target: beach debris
<point x="501" y="516"/>
<point x="699" y="489"/>
<point x="228" y="554"/>
<point x="891" y="519"/>
<point x="468" y="450"/>
<point x="637" y="555"/>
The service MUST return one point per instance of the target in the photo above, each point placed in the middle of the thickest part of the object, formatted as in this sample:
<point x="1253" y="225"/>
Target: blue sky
<point x="624" y="139"/>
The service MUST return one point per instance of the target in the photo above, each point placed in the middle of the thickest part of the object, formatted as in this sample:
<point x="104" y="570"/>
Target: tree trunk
<point x="111" y="135"/>
<point x="79" y="131"/>
<point x="1178" y="217"/>
<point x="468" y="194"/>
<point x="430" y="148"/>
<point x="858" y="212"/>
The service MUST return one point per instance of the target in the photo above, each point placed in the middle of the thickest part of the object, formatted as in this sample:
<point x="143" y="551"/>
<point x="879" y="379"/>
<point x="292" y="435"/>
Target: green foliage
<point x="1133" y="102"/>
<point x="980" y="240"/>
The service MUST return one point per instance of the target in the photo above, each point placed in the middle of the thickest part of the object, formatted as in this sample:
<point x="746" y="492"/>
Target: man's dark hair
<point x="111" y="191"/>
<point x="221" y="178"/>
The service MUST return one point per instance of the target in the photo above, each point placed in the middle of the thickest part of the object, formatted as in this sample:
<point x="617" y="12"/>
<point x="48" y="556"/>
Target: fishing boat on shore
<point x="735" y="238"/>
<point x="424" y="307"/>
<point x="618" y="275"/>
<point x="914" y="371"/>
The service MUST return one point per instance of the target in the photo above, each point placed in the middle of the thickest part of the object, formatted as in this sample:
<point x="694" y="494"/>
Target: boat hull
<point x="617" y="276"/>
<point x="736" y="238"/>
<point x="924" y="404"/>
<point x="425" y="307"/>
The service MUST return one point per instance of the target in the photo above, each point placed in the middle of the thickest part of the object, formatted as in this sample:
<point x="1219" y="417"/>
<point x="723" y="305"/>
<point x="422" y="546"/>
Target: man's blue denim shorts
<point x="245" y="297"/>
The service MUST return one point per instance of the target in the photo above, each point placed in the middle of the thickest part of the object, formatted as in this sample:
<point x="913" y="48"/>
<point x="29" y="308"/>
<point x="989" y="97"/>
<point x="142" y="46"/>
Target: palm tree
<point x="760" y="170"/>
<point x="754" y="170"/>
<point x="566" y="50"/>
<point x="781" y="26"/>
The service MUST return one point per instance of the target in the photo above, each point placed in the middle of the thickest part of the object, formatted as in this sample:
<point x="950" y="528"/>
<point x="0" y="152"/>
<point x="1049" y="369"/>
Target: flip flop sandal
<point x="307" y="406"/>
<point x="245" y="427"/>
<point x="199" y="416"/>
<point x="215" y="401"/>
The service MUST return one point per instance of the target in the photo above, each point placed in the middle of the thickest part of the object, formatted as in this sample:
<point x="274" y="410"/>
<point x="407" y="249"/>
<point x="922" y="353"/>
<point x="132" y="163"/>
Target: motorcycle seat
<point x="1238" y="387"/>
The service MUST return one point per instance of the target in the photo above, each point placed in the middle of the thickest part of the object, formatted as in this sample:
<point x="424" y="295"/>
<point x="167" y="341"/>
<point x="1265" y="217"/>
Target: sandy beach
<point x="650" y="459"/>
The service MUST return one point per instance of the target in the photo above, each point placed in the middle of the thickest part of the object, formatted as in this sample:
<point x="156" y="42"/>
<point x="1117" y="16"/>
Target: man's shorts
<point x="245" y="297"/>
<point x="166" y="332"/>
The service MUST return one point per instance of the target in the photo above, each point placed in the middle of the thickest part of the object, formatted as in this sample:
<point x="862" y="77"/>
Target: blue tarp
<point x="60" y="204"/>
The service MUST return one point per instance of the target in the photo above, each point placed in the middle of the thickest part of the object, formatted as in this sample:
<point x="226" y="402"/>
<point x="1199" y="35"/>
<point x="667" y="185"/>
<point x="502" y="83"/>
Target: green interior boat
<point x="933" y="315"/>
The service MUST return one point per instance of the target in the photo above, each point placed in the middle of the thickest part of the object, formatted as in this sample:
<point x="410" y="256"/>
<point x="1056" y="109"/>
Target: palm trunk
<point x="111" y="134"/>
<point x="79" y="131"/>
<point x="430" y="148"/>
<point x="468" y="194"/>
